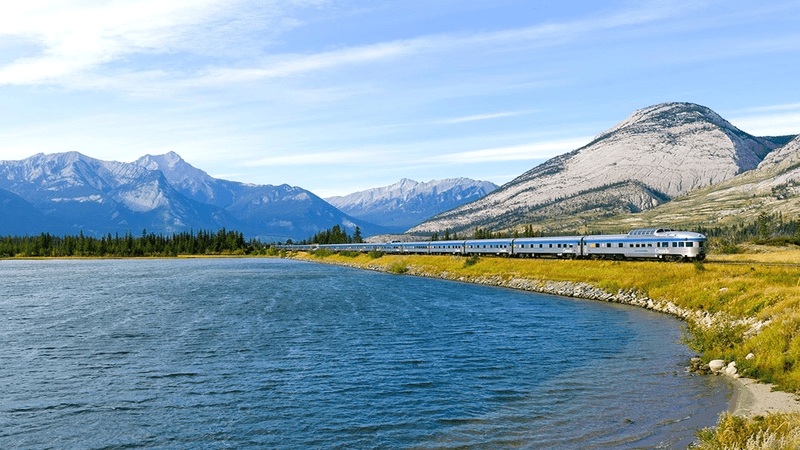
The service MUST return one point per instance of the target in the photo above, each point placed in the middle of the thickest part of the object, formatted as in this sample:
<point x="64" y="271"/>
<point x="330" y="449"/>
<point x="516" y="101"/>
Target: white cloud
<point x="537" y="150"/>
<point x="73" y="38"/>
<point x="314" y="159"/>
<point x="75" y="41"/>
<point x="769" y="124"/>
<point x="481" y="117"/>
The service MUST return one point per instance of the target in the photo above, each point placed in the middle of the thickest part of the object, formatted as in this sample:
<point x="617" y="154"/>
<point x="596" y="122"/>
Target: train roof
<point x="648" y="231"/>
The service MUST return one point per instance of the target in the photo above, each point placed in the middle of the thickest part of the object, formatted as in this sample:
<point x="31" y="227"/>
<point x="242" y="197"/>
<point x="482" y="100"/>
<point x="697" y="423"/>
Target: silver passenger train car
<point x="647" y="243"/>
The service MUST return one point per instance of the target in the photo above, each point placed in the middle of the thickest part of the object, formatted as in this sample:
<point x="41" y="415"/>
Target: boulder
<point x="716" y="365"/>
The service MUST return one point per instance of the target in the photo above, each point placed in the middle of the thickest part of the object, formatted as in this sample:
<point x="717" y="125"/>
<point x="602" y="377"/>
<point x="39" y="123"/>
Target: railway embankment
<point x="747" y="313"/>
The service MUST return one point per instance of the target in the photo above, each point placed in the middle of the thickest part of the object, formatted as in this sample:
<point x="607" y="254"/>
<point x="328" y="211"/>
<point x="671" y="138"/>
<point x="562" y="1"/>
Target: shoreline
<point x="750" y="398"/>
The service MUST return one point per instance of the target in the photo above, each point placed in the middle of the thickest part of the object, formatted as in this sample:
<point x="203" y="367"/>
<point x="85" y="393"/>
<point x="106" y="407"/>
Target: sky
<point x="340" y="96"/>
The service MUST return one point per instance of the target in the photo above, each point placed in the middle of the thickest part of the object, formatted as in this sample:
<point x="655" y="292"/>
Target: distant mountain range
<point x="655" y="155"/>
<point x="402" y="205"/>
<point x="68" y="193"/>
<point x="71" y="192"/>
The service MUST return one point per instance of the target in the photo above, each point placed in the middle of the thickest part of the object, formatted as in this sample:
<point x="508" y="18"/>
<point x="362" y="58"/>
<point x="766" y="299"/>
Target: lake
<point x="272" y="353"/>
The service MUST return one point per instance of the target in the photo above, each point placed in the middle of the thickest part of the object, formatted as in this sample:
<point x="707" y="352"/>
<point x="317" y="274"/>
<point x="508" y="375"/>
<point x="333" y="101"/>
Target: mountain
<point x="78" y="193"/>
<point x="70" y="192"/>
<point x="773" y="187"/>
<point x="264" y="211"/>
<point x="407" y="203"/>
<point x="656" y="154"/>
<point x="18" y="216"/>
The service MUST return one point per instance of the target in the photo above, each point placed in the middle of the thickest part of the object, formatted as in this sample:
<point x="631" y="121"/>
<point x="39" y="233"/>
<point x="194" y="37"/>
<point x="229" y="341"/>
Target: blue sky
<point x="339" y="96"/>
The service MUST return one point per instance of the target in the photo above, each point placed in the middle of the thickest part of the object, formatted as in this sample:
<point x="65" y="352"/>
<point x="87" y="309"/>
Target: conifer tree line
<point x="765" y="229"/>
<point x="335" y="235"/>
<point x="221" y="242"/>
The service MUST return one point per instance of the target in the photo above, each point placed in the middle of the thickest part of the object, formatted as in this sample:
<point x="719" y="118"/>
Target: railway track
<point x="752" y="263"/>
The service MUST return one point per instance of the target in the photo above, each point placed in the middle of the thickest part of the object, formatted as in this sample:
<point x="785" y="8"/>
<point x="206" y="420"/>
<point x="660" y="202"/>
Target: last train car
<point x="647" y="243"/>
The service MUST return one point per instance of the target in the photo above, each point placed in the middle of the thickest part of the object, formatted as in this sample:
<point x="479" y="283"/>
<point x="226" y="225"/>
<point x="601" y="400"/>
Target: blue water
<point x="269" y="353"/>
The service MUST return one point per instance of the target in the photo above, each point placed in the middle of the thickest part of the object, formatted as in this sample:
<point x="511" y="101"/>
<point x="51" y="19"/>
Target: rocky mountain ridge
<point x="74" y="192"/>
<point x="406" y="203"/>
<point x="659" y="152"/>
<point x="773" y="187"/>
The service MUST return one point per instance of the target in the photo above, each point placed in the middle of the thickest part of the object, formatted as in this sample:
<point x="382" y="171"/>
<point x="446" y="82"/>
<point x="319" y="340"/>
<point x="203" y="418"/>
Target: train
<point x="662" y="244"/>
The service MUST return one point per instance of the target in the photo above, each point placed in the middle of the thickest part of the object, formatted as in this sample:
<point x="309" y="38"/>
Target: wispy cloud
<point x="768" y="120"/>
<point x="63" y="40"/>
<point x="74" y="41"/>
<point x="525" y="152"/>
<point x="314" y="158"/>
<point x="769" y="124"/>
<point x="482" y="117"/>
<point x="768" y="108"/>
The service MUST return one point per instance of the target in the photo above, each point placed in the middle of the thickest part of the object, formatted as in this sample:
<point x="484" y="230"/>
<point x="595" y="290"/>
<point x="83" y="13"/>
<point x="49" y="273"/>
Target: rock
<point x="716" y="365"/>
<point x="749" y="356"/>
<point x="730" y="370"/>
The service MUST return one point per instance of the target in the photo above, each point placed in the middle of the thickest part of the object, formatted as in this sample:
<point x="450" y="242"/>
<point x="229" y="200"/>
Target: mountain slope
<point x="98" y="197"/>
<point x="264" y="211"/>
<point x="666" y="149"/>
<point x="18" y="216"/>
<point x="408" y="202"/>
<point x="773" y="187"/>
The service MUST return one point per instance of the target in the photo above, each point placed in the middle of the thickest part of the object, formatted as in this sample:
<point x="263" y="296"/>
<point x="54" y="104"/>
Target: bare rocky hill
<point x="656" y="154"/>
<point x="773" y="187"/>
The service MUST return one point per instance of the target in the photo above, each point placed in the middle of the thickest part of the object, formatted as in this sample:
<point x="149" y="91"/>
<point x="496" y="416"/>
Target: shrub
<point x="718" y="339"/>
<point x="471" y="261"/>
<point x="398" y="267"/>
<point x="698" y="266"/>
<point x="375" y="254"/>
<point x="321" y="253"/>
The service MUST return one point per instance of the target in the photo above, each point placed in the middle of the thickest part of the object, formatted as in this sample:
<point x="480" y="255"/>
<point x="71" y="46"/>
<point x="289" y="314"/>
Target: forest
<point x="221" y="242"/>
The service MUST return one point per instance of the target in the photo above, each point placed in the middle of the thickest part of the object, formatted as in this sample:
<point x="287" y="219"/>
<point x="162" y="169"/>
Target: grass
<point x="773" y="432"/>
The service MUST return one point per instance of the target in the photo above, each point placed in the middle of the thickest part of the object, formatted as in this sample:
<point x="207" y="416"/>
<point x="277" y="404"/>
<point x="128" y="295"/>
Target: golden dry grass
<point x="773" y="432"/>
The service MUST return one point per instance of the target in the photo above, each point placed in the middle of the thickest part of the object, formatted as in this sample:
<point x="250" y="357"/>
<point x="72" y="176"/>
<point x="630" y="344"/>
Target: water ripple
<point x="250" y="353"/>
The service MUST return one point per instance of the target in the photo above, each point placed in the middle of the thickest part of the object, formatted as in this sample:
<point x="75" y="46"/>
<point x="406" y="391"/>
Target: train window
<point x="631" y="245"/>
<point x="551" y="245"/>
<point x="680" y="244"/>
<point x="701" y="244"/>
<point x="621" y="244"/>
<point x="674" y="244"/>
<point x="649" y="244"/>
<point x="690" y="244"/>
<point x="665" y="244"/>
